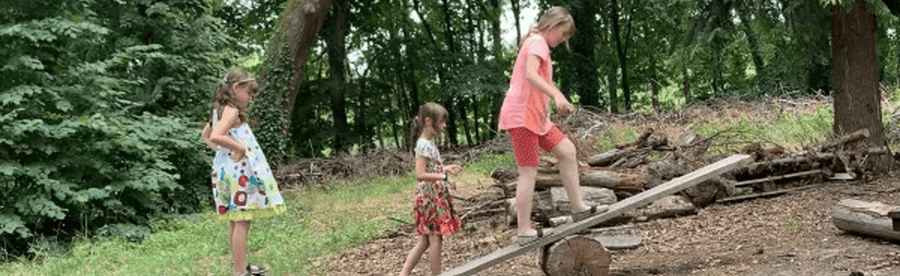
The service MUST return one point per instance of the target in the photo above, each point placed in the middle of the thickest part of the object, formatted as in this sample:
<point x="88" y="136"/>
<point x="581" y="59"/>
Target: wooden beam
<point x="619" y="208"/>
<point x="779" y="177"/>
<point x="867" y="218"/>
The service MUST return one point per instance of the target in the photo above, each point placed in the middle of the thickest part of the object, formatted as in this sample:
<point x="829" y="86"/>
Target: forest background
<point x="101" y="102"/>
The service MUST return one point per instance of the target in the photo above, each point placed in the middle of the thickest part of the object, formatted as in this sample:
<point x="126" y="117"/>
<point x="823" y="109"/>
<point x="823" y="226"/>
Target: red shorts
<point x="525" y="144"/>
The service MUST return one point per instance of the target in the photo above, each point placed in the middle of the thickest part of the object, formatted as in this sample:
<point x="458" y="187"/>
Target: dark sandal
<point x="526" y="239"/>
<point x="589" y="212"/>
<point x="259" y="271"/>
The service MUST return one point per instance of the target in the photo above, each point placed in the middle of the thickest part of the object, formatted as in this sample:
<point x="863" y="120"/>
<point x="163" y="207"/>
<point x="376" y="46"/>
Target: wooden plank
<point x="641" y="199"/>
<point x="765" y="194"/>
<point x="779" y="177"/>
<point x="865" y="218"/>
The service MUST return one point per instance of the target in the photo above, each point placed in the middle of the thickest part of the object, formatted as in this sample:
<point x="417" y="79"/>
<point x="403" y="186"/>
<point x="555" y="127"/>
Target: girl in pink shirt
<point x="524" y="115"/>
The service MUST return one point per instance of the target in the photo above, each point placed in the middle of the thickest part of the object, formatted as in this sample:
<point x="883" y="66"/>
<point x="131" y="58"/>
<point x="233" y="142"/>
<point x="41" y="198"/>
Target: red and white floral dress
<point x="433" y="207"/>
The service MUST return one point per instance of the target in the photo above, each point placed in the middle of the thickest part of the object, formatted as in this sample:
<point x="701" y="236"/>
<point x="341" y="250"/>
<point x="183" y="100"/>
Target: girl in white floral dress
<point x="242" y="182"/>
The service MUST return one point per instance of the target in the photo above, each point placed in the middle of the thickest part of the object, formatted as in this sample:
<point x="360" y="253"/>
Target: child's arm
<point x="219" y="134"/>
<point x="422" y="175"/>
<point x="204" y="135"/>
<point x="532" y="66"/>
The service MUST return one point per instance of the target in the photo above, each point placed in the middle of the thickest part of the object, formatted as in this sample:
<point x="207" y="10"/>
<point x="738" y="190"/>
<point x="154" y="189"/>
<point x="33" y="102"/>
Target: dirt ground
<point x="790" y="234"/>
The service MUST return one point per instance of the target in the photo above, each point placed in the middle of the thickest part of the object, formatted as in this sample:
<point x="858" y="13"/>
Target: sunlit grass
<point x="317" y="225"/>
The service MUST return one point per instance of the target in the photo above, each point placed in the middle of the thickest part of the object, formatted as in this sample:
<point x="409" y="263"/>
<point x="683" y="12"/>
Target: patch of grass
<point x="798" y="130"/>
<point x="796" y="224"/>
<point x="317" y="225"/>
<point x="617" y="134"/>
<point x="486" y="164"/>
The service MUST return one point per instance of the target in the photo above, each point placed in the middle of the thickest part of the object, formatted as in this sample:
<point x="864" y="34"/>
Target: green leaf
<point x="18" y="94"/>
<point x="158" y="8"/>
<point x="11" y="223"/>
<point x="8" y="167"/>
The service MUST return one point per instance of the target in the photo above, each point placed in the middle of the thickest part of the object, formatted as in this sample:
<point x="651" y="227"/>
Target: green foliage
<point x="99" y="128"/>
<point x="791" y="131"/>
<point x="488" y="163"/>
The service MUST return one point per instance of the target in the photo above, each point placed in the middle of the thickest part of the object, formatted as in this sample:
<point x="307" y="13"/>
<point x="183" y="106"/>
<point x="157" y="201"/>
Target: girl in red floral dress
<point x="433" y="207"/>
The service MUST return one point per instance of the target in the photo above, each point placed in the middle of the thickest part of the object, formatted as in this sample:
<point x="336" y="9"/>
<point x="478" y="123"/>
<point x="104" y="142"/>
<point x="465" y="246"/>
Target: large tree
<point x="857" y="100"/>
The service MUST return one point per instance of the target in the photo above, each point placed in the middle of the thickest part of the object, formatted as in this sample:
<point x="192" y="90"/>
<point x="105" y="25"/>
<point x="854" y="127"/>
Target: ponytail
<point x="434" y="111"/>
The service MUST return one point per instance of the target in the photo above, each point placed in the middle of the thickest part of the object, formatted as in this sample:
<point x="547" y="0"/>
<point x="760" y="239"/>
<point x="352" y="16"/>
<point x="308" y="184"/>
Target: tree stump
<point x="575" y="256"/>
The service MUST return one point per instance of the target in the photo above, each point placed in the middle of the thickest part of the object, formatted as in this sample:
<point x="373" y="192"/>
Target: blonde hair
<point x="553" y="17"/>
<point x="223" y="95"/>
<point x="436" y="112"/>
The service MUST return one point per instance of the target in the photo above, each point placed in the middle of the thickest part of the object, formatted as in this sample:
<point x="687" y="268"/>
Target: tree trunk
<point x="857" y="101"/>
<point x="755" y="50"/>
<point x="337" y="54"/>
<point x="517" y="10"/>
<point x="654" y="94"/>
<point x="575" y="255"/>
<point x="622" y="49"/>
<point x="304" y="21"/>
<point x="494" y="17"/>
<point x="687" y="86"/>
<point x="581" y="61"/>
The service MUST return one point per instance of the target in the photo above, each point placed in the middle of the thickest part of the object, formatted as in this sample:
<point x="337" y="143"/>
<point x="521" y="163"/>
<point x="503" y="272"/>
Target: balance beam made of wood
<point x="616" y="209"/>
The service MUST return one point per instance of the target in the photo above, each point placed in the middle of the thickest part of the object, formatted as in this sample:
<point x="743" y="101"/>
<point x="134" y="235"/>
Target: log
<point x="606" y="159"/>
<point x="867" y="218"/>
<point x="575" y="255"/>
<point x="855" y="136"/>
<point x="617" y="179"/>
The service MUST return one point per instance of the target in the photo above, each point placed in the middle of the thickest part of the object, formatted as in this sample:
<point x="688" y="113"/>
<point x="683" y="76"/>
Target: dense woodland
<point x="101" y="102"/>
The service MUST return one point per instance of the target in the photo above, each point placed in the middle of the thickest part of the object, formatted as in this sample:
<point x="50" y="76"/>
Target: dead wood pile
<point x="376" y="162"/>
<point x="651" y="159"/>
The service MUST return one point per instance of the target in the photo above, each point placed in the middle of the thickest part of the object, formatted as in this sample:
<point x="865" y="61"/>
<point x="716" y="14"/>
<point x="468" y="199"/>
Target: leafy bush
<point x="81" y="151"/>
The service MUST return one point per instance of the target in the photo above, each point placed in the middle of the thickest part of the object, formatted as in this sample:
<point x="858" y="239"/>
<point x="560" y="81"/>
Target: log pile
<point x="650" y="160"/>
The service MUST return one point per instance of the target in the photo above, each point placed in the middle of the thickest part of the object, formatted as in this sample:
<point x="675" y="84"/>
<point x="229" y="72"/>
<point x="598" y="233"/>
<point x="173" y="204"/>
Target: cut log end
<point x="575" y="255"/>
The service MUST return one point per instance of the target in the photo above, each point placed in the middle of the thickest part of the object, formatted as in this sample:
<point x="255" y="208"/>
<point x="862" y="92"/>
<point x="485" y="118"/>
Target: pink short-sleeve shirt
<point x="524" y="105"/>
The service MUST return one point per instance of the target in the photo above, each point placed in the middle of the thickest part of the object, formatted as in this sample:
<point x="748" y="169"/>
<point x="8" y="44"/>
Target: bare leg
<point x="413" y="258"/>
<point x="524" y="194"/>
<point x="434" y="253"/>
<point x="230" y="232"/>
<point x="568" y="171"/>
<point x="239" y="246"/>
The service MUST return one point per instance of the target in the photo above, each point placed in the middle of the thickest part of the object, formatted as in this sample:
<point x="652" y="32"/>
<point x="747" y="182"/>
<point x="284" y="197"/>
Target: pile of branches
<point x="372" y="162"/>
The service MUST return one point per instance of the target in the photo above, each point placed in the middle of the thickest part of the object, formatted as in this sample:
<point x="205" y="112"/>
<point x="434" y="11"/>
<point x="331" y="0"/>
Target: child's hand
<point x="237" y="155"/>
<point x="454" y="169"/>
<point x="452" y="184"/>
<point x="563" y="106"/>
<point x="210" y="145"/>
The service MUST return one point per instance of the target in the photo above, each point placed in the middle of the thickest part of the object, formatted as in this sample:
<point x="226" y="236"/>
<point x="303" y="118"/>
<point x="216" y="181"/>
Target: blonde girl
<point x="242" y="182"/>
<point x="524" y="115"/>
<point x="433" y="206"/>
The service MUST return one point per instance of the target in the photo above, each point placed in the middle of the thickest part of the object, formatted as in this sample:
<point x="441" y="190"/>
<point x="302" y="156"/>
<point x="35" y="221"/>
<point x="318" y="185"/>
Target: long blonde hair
<point x="553" y="17"/>
<point x="223" y="95"/>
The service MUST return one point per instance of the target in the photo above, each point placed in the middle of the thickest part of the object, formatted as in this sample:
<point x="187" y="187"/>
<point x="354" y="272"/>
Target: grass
<point x="320" y="223"/>
<point x="791" y="131"/>
<point x="302" y="241"/>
